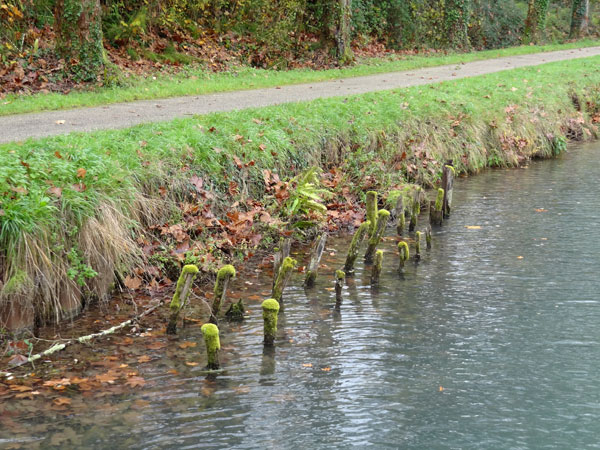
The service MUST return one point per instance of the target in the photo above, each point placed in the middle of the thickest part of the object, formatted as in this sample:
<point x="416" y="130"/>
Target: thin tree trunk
<point x="78" y="28"/>
<point x="579" y="18"/>
<point x="536" y="21"/>
<point x="343" y="33"/>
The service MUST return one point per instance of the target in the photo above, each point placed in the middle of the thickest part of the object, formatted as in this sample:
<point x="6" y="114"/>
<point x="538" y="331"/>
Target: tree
<point x="343" y="36"/>
<point x="78" y="28"/>
<point x="579" y="18"/>
<point x="456" y="16"/>
<point x="536" y="21"/>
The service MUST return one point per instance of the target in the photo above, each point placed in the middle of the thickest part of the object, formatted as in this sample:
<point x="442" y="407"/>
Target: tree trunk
<point x="579" y="18"/>
<point x="342" y="35"/>
<point x="536" y="21"/>
<point x="456" y="17"/>
<point x="78" y="28"/>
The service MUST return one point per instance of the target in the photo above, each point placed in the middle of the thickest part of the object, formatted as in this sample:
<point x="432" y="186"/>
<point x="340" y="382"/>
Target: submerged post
<point x="285" y="245"/>
<point x="315" y="259"/>
<point x="404" y="254"/>
<point x="448" y="185"/>
<point x="377" y="266"/>
<point x="372" y="211"/>
<point x="224" y="274"/>
<point x="415" y="210"/>
<point x="436" y="213"/>
<point x="340" y="277"/>
<point x="235" y="313"/>
<point x="382" y="220"/>
<point x="400" y="217"/>
<point x="285" y="272"/>
<point x="357" y="239"/>
<point x="213" y="345"/>
<point x="428" y="237"/>
<point x="270" y="310"/>
<point x="417" y="245"/>
<point x="180" y="298"/>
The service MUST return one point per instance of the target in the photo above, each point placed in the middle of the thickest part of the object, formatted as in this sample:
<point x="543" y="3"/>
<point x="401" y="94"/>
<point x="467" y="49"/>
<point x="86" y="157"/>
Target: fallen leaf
<point x="60" y="401"/>
<point x="143" y="359"/>
<point x="17" y="360"/>
<point x="441" y="389"/>
<point x="56" y="191"/>
<point x="135" y="382"/>
<point x="20" y="388"/>
<point x="307" y="365"/>
<point x="472" y="227"/>
<point x="326" y="369"/>
<point x="541" y="210"/>
<point x="132" y="283"/>
<point x="81" y="172"/>
<point x="519" y="257"/>
<point x="187" y="344"/>
<point x="191" y="364"/>
<point x="60" y="122"/>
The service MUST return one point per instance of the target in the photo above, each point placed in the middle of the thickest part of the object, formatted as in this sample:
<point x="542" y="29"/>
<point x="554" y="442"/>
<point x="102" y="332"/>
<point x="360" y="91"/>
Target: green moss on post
<point x="224" y="274"/>
<point x="372" y="211"/>
<point x="235" y="313"/>
<point x="401" y="223"/>
<point x="315" y="259"/>
<point x="382" y="220"/>
<point x="182" y="292"/>
<point x="415" y="211"/>
<point x="270" y="310"/>
<point x="340" y="277"/>
<point x="428" y="237"/>
<point x="285" y="272"/>
<point x="417" y="245"/>
<point x="377" y="266"/>
<point x="436" y="209"/>
<point x="439" y="200"/>
<point x="404" y="254"/>
<point x="357" y="239"/>
<point x="213" y="345"/>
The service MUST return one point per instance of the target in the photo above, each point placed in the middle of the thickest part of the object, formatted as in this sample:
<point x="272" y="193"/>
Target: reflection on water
<point x="492" y="341"/>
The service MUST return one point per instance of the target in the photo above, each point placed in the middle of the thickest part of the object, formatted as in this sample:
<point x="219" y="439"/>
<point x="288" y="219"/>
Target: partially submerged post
<point x="357" y="239"/>
<point x="340" y="277"/>
<point x="315" y="259"/>
<point x="436" y="213"/>
<point x="235" y="313"/>
<point x="415" y="210"/>
<point x="382" y="220"/>
<point x="372" y="211"/>
<point x="404" y="254"/>
<point x="377" y="265"/>
<point x="428" y="237"/>
<point x="213" y="345"/>
<point x="285" y="245"/>
<point x="285" y="272"/>
<point x="447" y="184"/>
<point x="224" y="274"/>
<point x="270" y="310"/>
<point x="417" y="245"/>
<point x="400" y="216"/>
<point x="182" y="293"/>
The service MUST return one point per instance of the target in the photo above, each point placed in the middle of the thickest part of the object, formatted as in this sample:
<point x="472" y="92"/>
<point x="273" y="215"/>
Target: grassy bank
<point x="197" y="81"/>
<point x="76" y="209"/>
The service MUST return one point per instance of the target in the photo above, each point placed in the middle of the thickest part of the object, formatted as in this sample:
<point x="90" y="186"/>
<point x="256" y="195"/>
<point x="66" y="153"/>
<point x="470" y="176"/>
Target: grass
<point x="96" y="193"/>
<point x="195" y="81"/>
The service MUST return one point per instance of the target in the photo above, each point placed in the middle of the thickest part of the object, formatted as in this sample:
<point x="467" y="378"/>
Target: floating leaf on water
<point x="473" y="227"/>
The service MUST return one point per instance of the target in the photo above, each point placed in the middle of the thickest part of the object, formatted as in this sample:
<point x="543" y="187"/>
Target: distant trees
<point x="456" y="19"/>
<point x="579" y="18"/>
<point x="78" y="28"/>
<point x="536" y="21"/>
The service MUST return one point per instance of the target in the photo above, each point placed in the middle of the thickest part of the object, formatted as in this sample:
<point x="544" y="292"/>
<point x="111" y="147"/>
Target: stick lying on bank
<point x="84" y="339"/>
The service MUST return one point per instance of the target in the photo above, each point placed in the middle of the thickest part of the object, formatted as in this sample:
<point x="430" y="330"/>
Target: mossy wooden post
<point x="315" y="259"/>
<point x="404" y="255"/>
<point x="357" y="239"/>
<point x="372" y="211"/>
<point x="213" y="345"/>
<point x="182" y="292"/>
<point x="377" y="266"/>
<point x="447" y="186"/>
<point x="285" y="272"/>
<point x="78" y="30"/>
<point x="400" y="217"/>
<point x="428" y="237"/>
<point x="270" y="310"/>
<point x="436" y="212"/>
<point x="415" y="210"/>
<point x="417" y="245"/>
<point x="235" y="313"/>
<point x="340" y="277"/>
<point x="382" y="220"/>
<point x="224" y="274"/>
<point x="285" y="245"/>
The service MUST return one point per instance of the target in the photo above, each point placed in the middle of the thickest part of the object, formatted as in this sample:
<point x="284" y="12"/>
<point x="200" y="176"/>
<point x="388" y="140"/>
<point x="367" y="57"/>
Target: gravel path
<point x="122" y="115"/>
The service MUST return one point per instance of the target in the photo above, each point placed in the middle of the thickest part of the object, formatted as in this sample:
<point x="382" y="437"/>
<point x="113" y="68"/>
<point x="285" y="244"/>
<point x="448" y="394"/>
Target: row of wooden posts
<point x="373" y="227"/>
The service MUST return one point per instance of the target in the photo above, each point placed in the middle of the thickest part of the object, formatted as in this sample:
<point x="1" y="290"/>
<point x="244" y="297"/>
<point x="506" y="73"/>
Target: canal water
<point x="491" y="341"/>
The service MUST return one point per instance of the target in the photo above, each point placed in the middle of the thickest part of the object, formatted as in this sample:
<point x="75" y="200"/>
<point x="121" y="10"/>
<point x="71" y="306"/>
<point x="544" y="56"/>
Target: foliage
<point x="306" y="196"/>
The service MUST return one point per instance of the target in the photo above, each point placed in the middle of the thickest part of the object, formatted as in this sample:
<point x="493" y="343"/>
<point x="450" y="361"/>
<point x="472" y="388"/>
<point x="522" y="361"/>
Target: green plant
<point x="307" y="196"/>
<point x="78" y="270"/>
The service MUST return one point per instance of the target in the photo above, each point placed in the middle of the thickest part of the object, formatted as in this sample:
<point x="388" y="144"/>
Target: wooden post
<point x="447" y="186"/>
<point x="224" y="274"/>
<point x="285" y="272"/>
<point x="415" y="210"/>
<point x="270" y="309"/>
<point x="377" y="266"/>
<point x="372" y="211"/>
<point x="382" y="220"/>
<point x="404" y="255"/>
<point x="417" y="245"/>
<point x="400" y="217"/>
<point x="357" y="239"/>
<point x="315" y="259"/>
<point x="428" y="237"/>
<point x="213" y="345"/>
<point x="180" y="298"/>
<point x="340" y="277"/>
<point x="436" y="212"/>
<point x="283" y="252"/>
